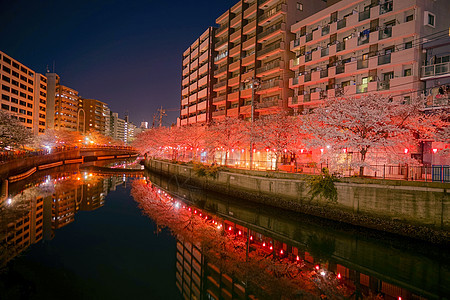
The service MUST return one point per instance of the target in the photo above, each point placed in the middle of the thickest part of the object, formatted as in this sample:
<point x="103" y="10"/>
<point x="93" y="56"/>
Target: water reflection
<point x="350" y="262"/>
<point x="35" y="209"/>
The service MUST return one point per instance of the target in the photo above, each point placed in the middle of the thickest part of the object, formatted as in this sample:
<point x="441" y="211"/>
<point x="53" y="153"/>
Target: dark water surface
<point x="78" y="234"/>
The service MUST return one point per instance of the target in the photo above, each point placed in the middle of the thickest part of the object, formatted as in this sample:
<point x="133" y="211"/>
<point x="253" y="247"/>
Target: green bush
<point x="202" y="170"/>
<point x="323" y="185"/>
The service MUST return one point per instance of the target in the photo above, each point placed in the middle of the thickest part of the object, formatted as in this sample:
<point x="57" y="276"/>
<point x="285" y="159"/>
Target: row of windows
<point x="15" y="74"/>
<point x="16" y="65"/>
<point x="15" y="109"/>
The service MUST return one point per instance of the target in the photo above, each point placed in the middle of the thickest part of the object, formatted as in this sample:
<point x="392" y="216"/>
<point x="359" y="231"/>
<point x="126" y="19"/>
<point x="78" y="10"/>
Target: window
<point x="29" y="105"/>
<point x="14" y="109"/>
<point x="5" y="97"/>
<point x="408" y="45"/>
<point x="23" y="103"/>
<point x="22" y="111"/>
<point x="22" y="119"/>
<point x="29" y="113"/>
<point x="409" y="18"/>
<point x="5" y="78"/>
<point x="6" y="88"/>
<point x="407" y="72"/>
<point x="429" y="19"/>
<point x="14" y="100"/>
<point x="4" y="106"/>
<point x="299" y="6"/>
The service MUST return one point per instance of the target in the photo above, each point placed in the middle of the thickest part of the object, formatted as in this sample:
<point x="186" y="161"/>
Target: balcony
<point x="235" y="36"/>
<point x="250" y="27"/>
<point x="384" y="85"/>
<point x="268" y="104"/>
<point x="270" y="68"/>
<point x="221" y="30"/>
<point x="201" y="105"/>
<point x="325" y="30"/>
<point x="184" y="101"/>
<point x="185" y="91"/>
<point x="202" y="93"/>
<point x="386" y="7"/>
<point x="221" y="57"/>
<point x="221" y="43"/>
<point x="341" y="23"/>
<point x="250" y="11"/>
<point x="220" y="99"/>
<point x="364" y="15"/>
<point x="384" y="59"/>
<point x="272" y="13"/>
<point x="192" y="98"/>
<point x="232" y="112"/>
<point x="307" y="77"/>
<point x="362" y="64"/>
<point x="219" y="72"/>
<point x="271" y="31"/>
<point x="340" y="69"/>
<point x="436" y="70"/>
<point x="218" y="113"/>
<point x="324" y="73"/>
<point x="234" y="66"/>
<point x="270" y="50"/>
<point x="308" y="57"/>
<point x="248" y="60"/>
<point x="235" y="51"/>
<point x="293" y="101"/>
<point x="293" y="82"/>
<point x="201" y="118"/>
<point x="385" y="33"/>
<point x="324" y="52"/>
<point x="220" y="85"/>
<point x="247" y="93"/>
<point x="309" y="37"/>
<point x="306" y="98"/>
<point x="340" y="46"/>
<point x="247" y="75"/>
<point x="249" y="43"/>
<point x="270" y="86"/>
<point x="233" y="96"/>
<point x="233" y="81"/>
<point x="362" y="88"/>
<point x="364" y="38"/>
<point x="235" y="21"/>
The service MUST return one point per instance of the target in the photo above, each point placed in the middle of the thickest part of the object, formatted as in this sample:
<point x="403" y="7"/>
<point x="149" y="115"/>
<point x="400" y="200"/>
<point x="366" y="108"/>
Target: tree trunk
<point x="226" y="158"/>
<point x="363" y="158"/>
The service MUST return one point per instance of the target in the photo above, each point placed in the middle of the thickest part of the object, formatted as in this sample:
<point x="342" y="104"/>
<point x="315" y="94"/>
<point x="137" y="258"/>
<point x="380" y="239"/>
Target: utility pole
<point x="162" y="113"/>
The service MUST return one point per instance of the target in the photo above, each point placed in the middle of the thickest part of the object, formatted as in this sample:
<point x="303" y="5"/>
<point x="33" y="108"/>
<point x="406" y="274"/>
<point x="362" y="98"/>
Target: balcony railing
<point x="386" y="7"/>
<point x="296" y="42"/>
<point x="340" y="69"/>
<point x="271" y="12"/>
<point x="363" y="39"/>
<point x="295" y="81"/>
<point x="220" y="70"/>
<point x="294" y="100"/>
<point x="384" y="59"/>
<point x="269" y="49"/>
<point x="221" y="28"/>
<point x="324" y="52"/>
<point x="362" y="64"/>
<point x="218" y="113"/>
<point x="270" y="30"/>
<point x="309" y="37"/>
<point x="221" y="42"/>
<point x="436" y="70"/>
<point x="307" y="77"/>
<point x="220" y="84"/>
<point x="308" y="57"/>
<point x="361" y="88"/>
<point x="269" y="66"/>
<point x="220" y="98"/>
<point x="269" y="103"/>
<point x="269" y="84"/>
<point x="364" y="15"/>
<point x="324" y="73"/>
<point x="340" y="46"/>
<point x="341" y="23"/>
<point x="306" y="97"/>
<point x="383" y="85"/>
<point x="385" y="33"/>
<point x="325" y="30"/>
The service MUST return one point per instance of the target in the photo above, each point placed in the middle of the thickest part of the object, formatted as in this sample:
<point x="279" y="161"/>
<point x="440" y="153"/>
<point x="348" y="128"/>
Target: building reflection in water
<point x="35" y="211"/>
<point x="364" y="267"/>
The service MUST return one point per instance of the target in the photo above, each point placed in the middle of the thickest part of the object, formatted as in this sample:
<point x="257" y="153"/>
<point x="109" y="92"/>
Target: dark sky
<point x="125" y="53"/>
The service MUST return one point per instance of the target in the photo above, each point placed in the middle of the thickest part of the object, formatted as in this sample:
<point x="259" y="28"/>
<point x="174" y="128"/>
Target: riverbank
<point x="416" y="210"/>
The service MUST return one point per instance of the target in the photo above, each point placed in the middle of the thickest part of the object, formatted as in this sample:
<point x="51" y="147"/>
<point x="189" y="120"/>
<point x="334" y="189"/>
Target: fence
<point x="435" y="173"/>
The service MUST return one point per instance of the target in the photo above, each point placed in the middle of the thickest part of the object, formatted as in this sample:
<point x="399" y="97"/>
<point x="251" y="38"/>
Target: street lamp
<point x="254" y="83"/>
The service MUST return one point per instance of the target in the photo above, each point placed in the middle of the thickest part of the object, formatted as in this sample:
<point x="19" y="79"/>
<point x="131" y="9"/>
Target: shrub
<point x="323" y="185"/>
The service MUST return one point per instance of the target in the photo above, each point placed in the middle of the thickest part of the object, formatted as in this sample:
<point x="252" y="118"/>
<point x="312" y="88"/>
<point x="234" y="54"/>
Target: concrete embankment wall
<point x="419" y="211"/>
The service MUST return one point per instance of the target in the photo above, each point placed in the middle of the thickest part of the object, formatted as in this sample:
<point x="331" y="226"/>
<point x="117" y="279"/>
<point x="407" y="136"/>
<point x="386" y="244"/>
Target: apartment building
<point x="249" y="49"/>
<point x="63" y="106"/>
<point x="97" y="116"/>
<point x="23" y="93"/>
<point x="197" y="80"/>
<point x="366" y="46"/>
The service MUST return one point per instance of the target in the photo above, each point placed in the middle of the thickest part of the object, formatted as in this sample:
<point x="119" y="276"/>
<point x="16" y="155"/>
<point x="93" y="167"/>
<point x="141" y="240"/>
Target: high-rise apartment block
<point x="291" y="55"/>
<point x="97" y="116"/>
<point x="23" y="93"/>
<point x="63" y="106"/>
<point x="196" y="93"/>
<point x="366" y="46"/>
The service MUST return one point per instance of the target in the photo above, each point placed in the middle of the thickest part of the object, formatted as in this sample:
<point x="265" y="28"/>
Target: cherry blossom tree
<point x="228" y="134"/>
<point x="12" y="132"/>
<point x="367" y="122"/>
<point x="279" y="133"/>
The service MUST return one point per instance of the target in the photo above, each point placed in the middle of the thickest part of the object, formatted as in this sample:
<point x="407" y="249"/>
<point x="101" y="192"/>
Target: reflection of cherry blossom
<point x="266" y="275"/>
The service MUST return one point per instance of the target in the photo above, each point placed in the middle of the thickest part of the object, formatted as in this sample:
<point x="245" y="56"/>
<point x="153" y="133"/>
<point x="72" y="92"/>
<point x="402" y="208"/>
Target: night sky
<point x="125" y="53"/>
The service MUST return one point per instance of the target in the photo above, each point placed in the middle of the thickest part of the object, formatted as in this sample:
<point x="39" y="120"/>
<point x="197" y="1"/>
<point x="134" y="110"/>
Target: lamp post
<point x="255" y="83"/>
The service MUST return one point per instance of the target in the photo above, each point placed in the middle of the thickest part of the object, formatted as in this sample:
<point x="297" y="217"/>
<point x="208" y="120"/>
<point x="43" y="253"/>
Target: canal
<point x="97" y="231"/>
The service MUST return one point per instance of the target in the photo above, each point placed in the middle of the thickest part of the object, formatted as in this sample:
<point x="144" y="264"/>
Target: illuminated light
<point x="301" y="150"/>
<point x="229" y="228"/>
<point x="339" y="276"/>
<point x="254" y="150"/>
<point x="200" y="214"/>
<point x="9" y="201"/>
<point x="251" y="238"/>
<point x="435" y="150"/>
<point x="281" y="251"/>
<point x="189" y="209"/>
<point x="328" y="146"/>
<point x="322" y="273"/>
<point x="264" y="244"/>
<point x="195" y="211"/>
<point x="399" y="298"/>
<point x="406" y="150"/>
<point x="218" y="227"/>
<point x="321" y="150"/>
<point x="78" y="178"/>
<point x="297" y="258"/>
<point x="240" y="232"/>
<point x="232" y="150"/>
<point x="243" y="150"/>
<point x="285" y="150"/>
<point x="267" y="150"/>
<point x="270" y="247"/>
<point x="317" y="267"/>
<point x="344" y="150"/>
<point x="206" y="217"/>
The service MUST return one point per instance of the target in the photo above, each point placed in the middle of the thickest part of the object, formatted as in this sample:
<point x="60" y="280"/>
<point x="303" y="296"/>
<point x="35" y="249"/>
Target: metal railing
<point x="364" y="15"/>
<point x="386" y="7"/>
<point x="384" y="59"/>
<point x="436" y="69"/>
<point x="324" y="52"/>
<point x="325" y="30"/>
<point x="385" y="33"/>
<point x="270" y="30"/>
<point x="362" y="64"/>
<point x="341" y="23"/>
<point x="269" y="49"/>
<point x="340" y="46"/>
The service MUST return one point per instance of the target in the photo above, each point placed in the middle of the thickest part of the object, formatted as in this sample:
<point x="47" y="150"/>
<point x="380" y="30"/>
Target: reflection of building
<point x="64" y="206"/>
<point x="23" y="93"/>
<point x="94" y="195"/>
<point x="189" y="274"/>
<point x="21" y="229"/>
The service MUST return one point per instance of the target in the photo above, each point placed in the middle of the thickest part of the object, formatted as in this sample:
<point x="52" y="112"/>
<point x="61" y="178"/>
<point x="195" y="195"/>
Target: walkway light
<point x="435" y="150"/>
<point x="317" y="267"/>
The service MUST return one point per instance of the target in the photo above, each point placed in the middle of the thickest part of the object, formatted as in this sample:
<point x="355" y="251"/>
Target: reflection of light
<point x="339" y="276"/>
<point x="281" y="251"/>
<point x="270" y="247"/>
<point x="239" y="232"/>
<point x="435" y="150"/>
<point x="322" y="273"/>
<point x="317" y="267"/>
<point x="251" y="238"/>
<point x="298" y="258"/>
<point x="229" y="228"/>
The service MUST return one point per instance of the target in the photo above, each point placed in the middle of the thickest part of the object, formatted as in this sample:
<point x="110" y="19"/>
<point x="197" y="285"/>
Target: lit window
<point x="299" y="6"/>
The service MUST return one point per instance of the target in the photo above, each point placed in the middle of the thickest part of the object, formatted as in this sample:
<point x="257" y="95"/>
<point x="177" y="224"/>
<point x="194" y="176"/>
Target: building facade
<point x="63" y="106"/>
<point x="368" y="46"/>
<point x="97" y="116"/>
<point x="23" y="93"/>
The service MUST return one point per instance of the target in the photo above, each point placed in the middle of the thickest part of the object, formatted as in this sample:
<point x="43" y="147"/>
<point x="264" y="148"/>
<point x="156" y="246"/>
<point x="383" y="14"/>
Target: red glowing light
<point x="298" y="258"/>
<point x="345" y="150"/>
<point x="254" y="150"/>
<point x="239" y="232"/>
<point x="339" y="276"/>
<point x="317" y="267"/>
<point x="264" y="244"/>
<point x="281" y="251"/>
<point x="435" y="150"/>
<point x="189" y="209"/>
<point x="406" y="150"/>
<point x="399" y="298"/>
<point x="251" y="238"/>
<point x="270" y="247"/>
<point x="229" y="228"/>
<point x="195" y="211"/>
<point x="200" y="214"/>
